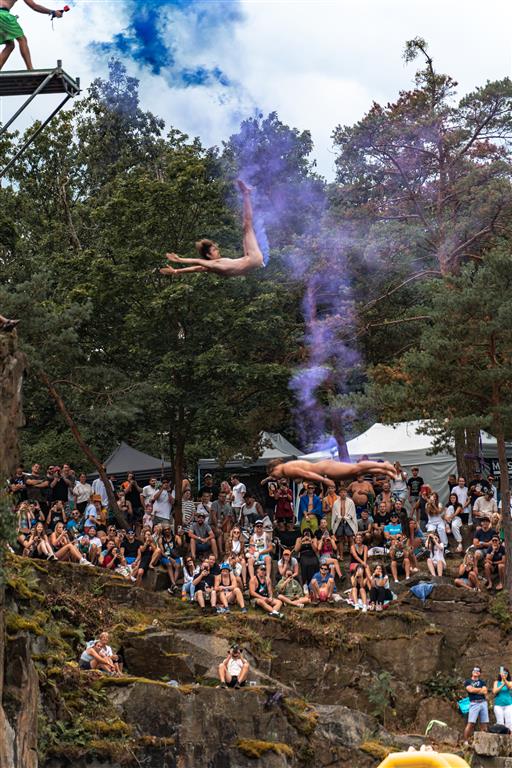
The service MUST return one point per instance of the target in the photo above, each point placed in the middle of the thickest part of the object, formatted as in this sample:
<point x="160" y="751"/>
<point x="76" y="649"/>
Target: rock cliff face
<point x="18" y="721"/>
<point x="334" y="706"/>
<point x="12" y="367"/>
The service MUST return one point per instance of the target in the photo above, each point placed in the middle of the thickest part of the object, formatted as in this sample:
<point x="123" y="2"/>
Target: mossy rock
<point x="15" y="622"/>
<point x="376" y="749"/>
<point x="22" y="590"/>
<point x="255" y="748"/>
<point x="301" y="716"/>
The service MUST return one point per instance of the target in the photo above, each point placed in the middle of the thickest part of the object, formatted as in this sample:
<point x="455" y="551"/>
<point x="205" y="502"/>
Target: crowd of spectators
<point x="233" y="549"/>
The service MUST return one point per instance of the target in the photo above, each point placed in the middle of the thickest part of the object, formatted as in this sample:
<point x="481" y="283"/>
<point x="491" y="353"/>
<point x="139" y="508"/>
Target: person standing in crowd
<point x="502" y="691"/>
<point x="222" y="510"/>
<point x="310" y="504"/>
<point x="17" y="486"/>
<point x="162" y="503"/>
<point x="37" y="487"/>
<point x="414" y="484"/>
<point x="283" y="498"/>
<point x="399" y="483"/>
<point x="148" y="492"/>
<point x="82" y="492"/>
<point x="238" y="490"/>
<point x="133" y="492"/>
<point x="99" y="489"/>
<point x="362" y="493"/>
<point x="478" y="710"/>
<point x="209" y="487"/>
<point x="344" y="521"/>
<point x="330" y="497"/>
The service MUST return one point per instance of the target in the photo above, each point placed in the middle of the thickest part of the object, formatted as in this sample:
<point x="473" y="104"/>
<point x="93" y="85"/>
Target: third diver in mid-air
<point x="212" y="261"/>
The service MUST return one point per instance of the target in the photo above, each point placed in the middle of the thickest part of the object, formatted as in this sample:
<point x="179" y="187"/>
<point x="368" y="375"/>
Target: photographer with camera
<point x="233" y="671"/>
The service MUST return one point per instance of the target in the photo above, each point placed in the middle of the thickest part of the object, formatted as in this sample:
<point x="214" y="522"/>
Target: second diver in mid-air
<point x="212" y="261"/>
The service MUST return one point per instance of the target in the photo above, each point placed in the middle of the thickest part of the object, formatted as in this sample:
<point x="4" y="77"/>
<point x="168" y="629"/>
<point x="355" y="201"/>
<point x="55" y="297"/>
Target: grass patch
<point x="255" y="748"/>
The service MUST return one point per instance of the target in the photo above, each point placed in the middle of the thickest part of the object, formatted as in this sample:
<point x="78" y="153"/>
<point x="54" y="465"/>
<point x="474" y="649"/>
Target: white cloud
<point x="316" y="63"/>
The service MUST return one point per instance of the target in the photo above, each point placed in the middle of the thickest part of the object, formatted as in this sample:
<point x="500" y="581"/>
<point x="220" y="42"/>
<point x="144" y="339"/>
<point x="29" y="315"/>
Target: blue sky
<point x="317" y="63"/>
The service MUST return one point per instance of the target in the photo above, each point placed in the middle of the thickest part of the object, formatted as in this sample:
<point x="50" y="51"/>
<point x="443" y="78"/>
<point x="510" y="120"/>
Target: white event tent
<point x="402" y="442"/>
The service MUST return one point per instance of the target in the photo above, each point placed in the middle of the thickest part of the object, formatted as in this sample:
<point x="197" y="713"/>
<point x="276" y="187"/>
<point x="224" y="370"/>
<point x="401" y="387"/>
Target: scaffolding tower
<point x="33" y="83"/>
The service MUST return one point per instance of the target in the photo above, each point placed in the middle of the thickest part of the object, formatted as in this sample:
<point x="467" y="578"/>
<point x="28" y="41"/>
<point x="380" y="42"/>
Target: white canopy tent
<point x="402" y="442"/>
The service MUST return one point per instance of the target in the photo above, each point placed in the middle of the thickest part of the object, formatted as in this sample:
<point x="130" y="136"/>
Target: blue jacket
<point x="317" y="507"/>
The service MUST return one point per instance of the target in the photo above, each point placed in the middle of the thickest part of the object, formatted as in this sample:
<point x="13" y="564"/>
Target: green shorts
<point x="9" y="27"/>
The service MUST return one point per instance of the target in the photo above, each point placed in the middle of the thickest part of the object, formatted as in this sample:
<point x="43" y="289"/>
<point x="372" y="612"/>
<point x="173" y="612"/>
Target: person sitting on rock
<point x="322" y="586"/>
<point x="144" y="557"/>
<point x="360" y="588"/>
<point x="167" y="554"/>
<point x="36" y="544"/>
<point x="234" y="670"/>
<point x="289" y="590"/>
<point x="494" y="564"/>
<point x="325" y="545"/>
<point x="380" y="592"/>
<point x="400" y="553"/>
<point x="228" y="592"/>
<point x="482" y="539"/>
<point x="94" y="657"/>
<point x="468" y="573"/>
<point x="204" y="586"/>
<point x="202" y="538"/>
<point x="288" y="562"/>
<point x="63" y="548"/>
<point x="260" y="590"/>
<point x="109" y="653"/>
<point x="435" y="561"/>
<point x="263" y="548"/>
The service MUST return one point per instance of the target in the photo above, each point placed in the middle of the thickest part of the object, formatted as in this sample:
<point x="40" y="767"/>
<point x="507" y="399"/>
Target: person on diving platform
<point x="10" y="30"/>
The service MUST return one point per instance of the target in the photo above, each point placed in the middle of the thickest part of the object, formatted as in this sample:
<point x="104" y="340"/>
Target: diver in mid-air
<point x="212" y="261"/>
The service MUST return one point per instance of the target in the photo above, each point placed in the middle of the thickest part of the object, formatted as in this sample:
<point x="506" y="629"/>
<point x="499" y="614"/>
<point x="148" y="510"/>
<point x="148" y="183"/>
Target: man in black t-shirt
<point x="58" y="489"/>
<point x="287" y="535"/>
<point x="414" y="484"/>
<point x="477" y="693"/>
<point x="17" y="486"/>
<point x="495" y="563"/>
<point x="37" y="487"/>
<point x="380" y="520"/>
<point x="130" y="547"/>
<point x="204" y="584"/>
<point x="209" y="487"/>
<point x="482" y="538"/>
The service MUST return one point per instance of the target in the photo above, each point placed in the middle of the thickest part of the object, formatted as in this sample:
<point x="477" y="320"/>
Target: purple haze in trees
<point x="150" y="37"/>
<point x="332" y="357"/>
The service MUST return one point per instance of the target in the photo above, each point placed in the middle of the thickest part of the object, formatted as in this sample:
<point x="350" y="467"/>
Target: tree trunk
<point x="467" y="450"/>
<point x="506" y="520"/>
<point x="338" y="432"/>
<point x="178" y="479"/>
<point x="120" y="518"/>
<point x="179" y="462"/>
